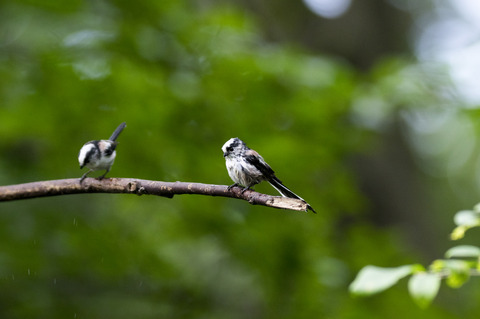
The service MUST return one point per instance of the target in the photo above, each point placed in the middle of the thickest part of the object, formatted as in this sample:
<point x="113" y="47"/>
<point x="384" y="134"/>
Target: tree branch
<point x="142" y="187"/>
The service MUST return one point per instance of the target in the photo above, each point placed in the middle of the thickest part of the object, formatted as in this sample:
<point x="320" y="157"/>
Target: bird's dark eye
<point x="229" y="149"/>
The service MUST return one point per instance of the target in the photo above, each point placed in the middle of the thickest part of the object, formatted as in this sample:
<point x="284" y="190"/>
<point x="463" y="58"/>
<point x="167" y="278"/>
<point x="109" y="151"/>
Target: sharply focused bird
<point x="99" y="154"/>
<point x="247" y="168"/>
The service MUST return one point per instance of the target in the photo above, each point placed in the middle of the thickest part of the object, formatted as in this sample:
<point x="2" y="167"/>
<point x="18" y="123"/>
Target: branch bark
<point x="142" y="187"/>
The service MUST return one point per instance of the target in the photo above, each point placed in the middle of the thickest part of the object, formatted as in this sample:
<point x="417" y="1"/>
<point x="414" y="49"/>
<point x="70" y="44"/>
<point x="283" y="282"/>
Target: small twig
<point x="142" y="187"/>
<point x="447" y="272"/>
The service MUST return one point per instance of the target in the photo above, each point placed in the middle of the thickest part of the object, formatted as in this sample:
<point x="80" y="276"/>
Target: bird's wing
<point x="253" y="158"/>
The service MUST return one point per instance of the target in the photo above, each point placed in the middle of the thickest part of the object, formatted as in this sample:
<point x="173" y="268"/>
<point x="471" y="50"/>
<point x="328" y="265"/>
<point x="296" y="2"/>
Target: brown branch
<point x="142" y="187"/>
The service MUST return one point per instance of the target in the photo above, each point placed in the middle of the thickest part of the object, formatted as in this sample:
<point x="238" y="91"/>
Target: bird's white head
<point x="233" y="146"/>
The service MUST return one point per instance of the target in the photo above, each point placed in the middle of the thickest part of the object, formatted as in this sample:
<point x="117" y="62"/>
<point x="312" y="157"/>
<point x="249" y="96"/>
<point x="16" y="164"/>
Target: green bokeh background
<point x="186" y="77"/>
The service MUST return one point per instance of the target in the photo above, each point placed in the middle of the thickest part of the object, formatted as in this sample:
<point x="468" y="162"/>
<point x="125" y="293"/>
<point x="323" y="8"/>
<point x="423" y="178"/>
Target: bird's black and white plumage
<point x="247" y="168"/>
<point x="99" y="154"/>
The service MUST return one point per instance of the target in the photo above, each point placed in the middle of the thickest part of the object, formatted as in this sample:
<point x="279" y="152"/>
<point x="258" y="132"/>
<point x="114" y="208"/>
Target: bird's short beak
<point x="81" y="166"/>
<point x="224" y="154"/>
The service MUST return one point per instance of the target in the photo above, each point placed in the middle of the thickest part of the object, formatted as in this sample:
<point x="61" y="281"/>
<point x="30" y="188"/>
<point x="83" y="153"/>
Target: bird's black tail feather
<point x="118" y="131"/>
<point x="282" y="189"/>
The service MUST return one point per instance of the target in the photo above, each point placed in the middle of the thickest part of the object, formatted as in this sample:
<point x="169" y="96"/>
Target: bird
<point x="247" y="168"/>
<point x="99" y="154"/>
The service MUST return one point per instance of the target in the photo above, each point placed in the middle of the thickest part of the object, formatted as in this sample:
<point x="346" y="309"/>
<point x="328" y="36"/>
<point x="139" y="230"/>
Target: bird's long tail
<point x="282" y="189"/>
<point x="117" y="131"/>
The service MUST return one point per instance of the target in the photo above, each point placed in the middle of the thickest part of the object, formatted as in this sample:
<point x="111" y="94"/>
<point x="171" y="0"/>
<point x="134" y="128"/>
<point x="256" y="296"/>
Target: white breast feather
<point x="104" y="162"/>
<point x="243" y="173"/>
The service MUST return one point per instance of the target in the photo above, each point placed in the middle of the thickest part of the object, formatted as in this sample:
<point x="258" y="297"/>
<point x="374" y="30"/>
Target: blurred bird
<point x="99" y="154"/>
<point x="247" y="168"/>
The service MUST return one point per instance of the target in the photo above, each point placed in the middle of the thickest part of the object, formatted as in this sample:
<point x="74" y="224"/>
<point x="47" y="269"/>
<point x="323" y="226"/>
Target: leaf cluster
<point x="460" y="264"/>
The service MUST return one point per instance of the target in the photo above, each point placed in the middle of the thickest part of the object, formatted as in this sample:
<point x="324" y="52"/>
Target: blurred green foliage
<point x="186" y="77"/>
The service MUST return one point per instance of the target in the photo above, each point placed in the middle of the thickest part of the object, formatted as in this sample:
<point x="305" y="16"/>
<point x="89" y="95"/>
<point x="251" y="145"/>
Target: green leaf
<point x="458" y="272"/>
<point x="458" y="232"/>
<point x="463" y="251"/>
<point x="467" y="218"/>
<point x="476" y="208"/>
<point x="423" y="288"/>
<point x="456" y="280"/>
<point x="373" y="279"/>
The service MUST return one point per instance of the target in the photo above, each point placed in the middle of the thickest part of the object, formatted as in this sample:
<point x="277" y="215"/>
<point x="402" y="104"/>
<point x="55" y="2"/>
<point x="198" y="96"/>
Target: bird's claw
<point x="231" y="186"/>
<point x="244" y="189"/>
